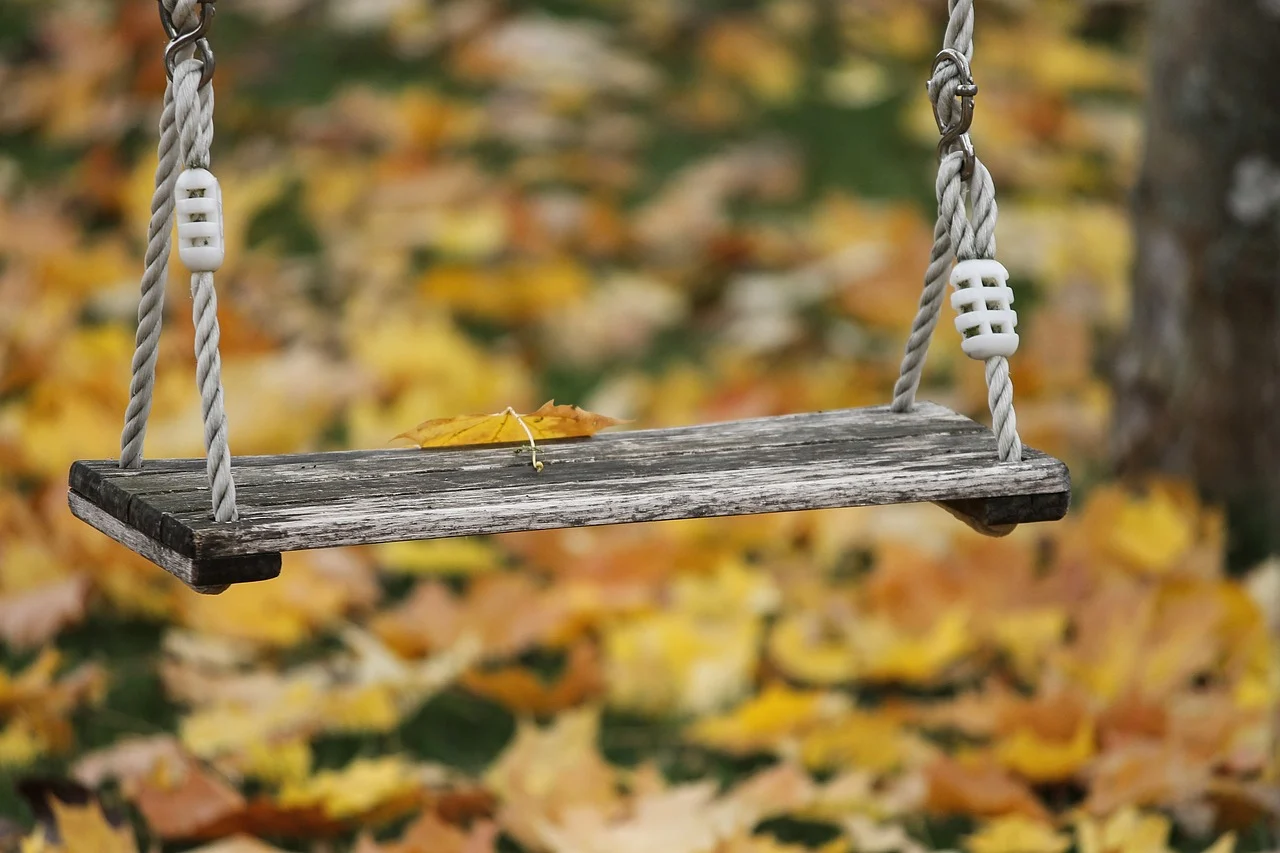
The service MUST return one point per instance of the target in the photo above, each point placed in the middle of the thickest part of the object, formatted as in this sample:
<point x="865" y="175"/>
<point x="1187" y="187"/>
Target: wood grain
<point x="854" y="457"/>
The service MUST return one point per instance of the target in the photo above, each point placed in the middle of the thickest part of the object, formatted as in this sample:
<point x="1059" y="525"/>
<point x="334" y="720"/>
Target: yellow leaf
<point x="1152" y="531"/>
<point x="1126" y="831"/>
<point x="765" y="720"/>
<point x="1016" y="834"/>
<point x="1027" y="636"/>
<point x="84" y="829"/>
<point x="1041" y="760"/>
<point x="867" y="741"/>
<point x="20" y="744"/>
<point x="801" y="647"/>
<point x="1225" y="844"/>
<point x="550" y="421"/>
<point x="360" y="787"/>
<point x="278" y="762"/>
<point x="676" y="662"/>
<point x="889" y="654"/>
<point x="463" y="556"/>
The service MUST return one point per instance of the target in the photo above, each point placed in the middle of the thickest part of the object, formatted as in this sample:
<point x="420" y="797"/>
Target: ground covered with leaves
<point x="671" y="212"/>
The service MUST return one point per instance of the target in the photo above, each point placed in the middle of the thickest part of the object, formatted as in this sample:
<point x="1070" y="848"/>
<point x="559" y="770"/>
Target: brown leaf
<point x="33" y="617"/>
<point x="550" y="421"/>
<point x="980" y="788"/>
<point x="182" y="800"/>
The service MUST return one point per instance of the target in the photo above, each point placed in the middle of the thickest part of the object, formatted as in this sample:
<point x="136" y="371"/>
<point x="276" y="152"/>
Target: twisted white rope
<point x="964" y="235"/>
<point x="186" y="136"/>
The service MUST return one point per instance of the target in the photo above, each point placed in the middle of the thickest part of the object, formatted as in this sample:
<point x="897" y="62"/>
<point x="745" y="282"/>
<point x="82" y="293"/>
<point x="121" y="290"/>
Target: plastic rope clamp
<point x="198" y="206"/>
<point x="984" y="302"/>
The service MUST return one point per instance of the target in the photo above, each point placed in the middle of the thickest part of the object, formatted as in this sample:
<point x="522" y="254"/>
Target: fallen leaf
<point x="30" y="618"/>
<point x="358" y="788"/>
<point x="430" y="834"/>
<point x="979" y="787"/>
<point x="83" y="828"/>
<point x="238" y="844"/>
<point x="1125" y="831"/>
<point x="521" y="691"/>
<point x="549" y="422"/>
<point x="1017" y="834"/>
<point x="181" y="800"/>
<point x="546" y="772"/>
<point x="507" y="612"/>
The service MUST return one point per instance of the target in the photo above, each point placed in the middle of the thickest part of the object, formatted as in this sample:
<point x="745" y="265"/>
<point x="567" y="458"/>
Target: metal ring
<point x="956" y="133"/>
<point x="207" y="60"/>
<point x="179" y="41"/>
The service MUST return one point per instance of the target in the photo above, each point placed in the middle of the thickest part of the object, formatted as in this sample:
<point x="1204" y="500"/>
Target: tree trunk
<point x="1198" y="377"/>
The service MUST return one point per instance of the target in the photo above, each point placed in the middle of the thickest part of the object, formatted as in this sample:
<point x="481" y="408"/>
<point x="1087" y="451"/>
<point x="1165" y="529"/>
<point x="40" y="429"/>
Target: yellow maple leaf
<point x="678" y="662"/>
<point x="360" y="787"/>
<point x="764" y="721"/>
<point x="83" y="829"/>
<point x="549" y="422"/>
<point x="278" y="762"/>
<point x="893" y="655"/>
<point x="1042" y="760"/>
<point x="1126" y="831"/>
<point x="1017" y="834"/>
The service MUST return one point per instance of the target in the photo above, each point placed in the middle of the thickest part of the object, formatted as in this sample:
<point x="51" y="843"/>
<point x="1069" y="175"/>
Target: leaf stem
<point x="533" y="448"/>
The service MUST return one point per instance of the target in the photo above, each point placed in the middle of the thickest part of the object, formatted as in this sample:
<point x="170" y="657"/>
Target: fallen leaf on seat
<point x="550" y="421"/>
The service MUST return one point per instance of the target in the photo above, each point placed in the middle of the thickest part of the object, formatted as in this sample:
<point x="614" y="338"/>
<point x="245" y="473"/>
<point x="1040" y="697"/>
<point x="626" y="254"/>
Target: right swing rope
<point x="982" y="294"/>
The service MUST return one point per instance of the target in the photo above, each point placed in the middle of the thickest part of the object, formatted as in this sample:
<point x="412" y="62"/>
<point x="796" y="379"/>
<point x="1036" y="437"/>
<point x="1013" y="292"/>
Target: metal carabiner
<point x="956" y="133"/>
<point x="197" y="37"/>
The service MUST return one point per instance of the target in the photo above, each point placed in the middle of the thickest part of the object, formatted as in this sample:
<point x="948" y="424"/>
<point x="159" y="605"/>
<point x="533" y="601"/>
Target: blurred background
<point x="672" y="211"/>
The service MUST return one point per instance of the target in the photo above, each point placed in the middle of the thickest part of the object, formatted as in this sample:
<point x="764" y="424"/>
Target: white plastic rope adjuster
<point x="984" y="302"/>
<point x="198" y="205"/>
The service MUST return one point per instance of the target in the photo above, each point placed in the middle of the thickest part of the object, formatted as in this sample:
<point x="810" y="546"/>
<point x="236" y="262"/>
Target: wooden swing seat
<point x="854" y="457"/>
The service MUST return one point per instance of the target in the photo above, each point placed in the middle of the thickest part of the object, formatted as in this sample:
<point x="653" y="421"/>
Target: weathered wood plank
<point x="440" y="487"/>
<point x="855" y="425"/>
<point x="799" y="462"/>
<point x="203" y="575"/>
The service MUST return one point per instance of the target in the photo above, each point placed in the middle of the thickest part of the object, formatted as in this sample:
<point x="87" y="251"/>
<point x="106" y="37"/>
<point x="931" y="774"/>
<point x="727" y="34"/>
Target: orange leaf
<point x="550" y="421"/>
<point x="520" y="690"/>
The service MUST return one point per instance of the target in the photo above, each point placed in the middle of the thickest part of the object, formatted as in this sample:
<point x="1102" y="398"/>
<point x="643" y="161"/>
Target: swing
<point x="906" y="452"/>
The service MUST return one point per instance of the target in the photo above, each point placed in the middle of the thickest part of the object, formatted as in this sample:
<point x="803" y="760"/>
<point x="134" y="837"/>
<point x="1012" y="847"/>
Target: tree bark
<point x="1198" y="378"/>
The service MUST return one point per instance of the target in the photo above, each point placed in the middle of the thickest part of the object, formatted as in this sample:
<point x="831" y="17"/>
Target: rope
<point x="964" y="234"/>
<point x="194" y="113"/>
<point x="186" y="136"/>
<point x="151" y="307"/>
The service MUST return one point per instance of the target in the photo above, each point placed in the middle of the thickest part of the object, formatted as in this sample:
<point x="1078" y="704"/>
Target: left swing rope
<point x="185" y="187"/>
